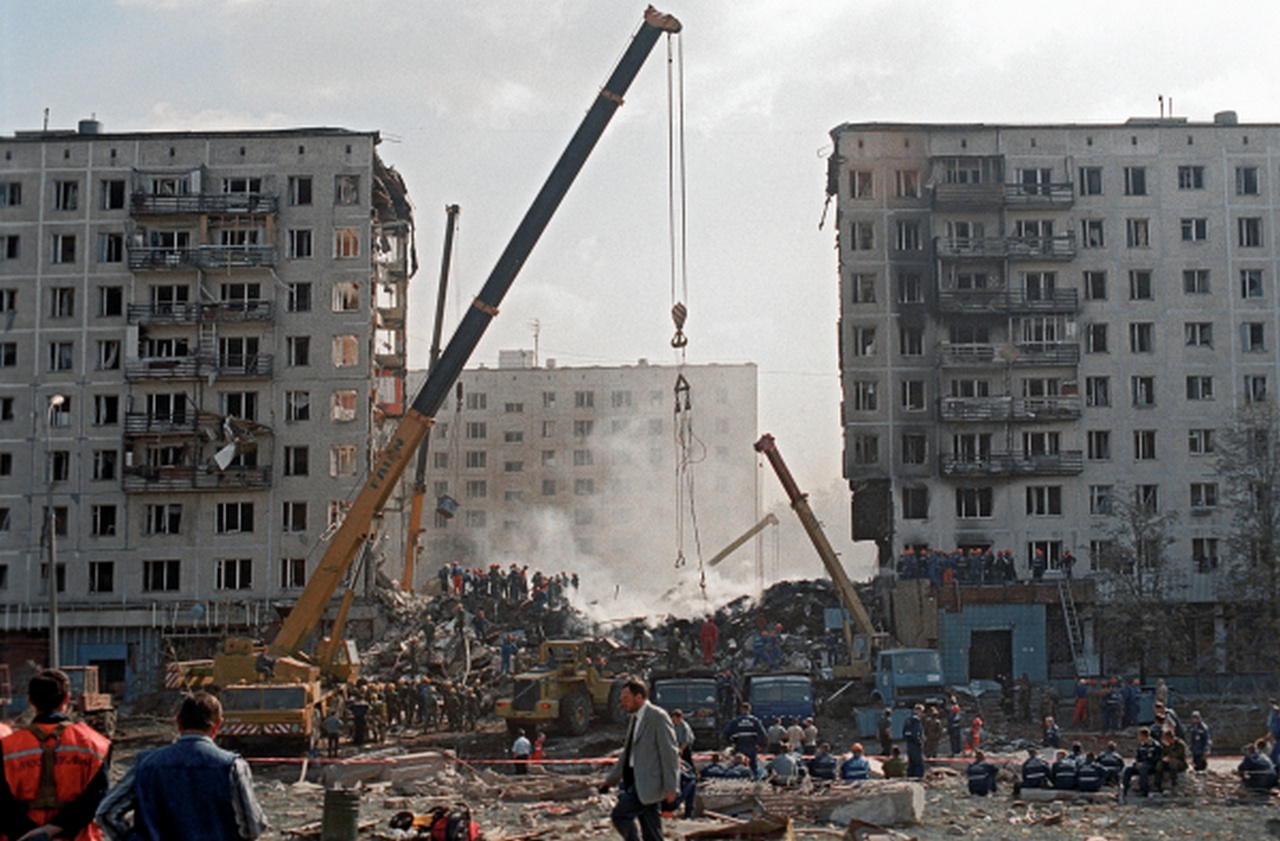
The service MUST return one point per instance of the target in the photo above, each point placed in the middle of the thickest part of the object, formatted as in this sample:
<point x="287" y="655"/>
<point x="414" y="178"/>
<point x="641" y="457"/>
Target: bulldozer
<point x="566" y="691"/>
<point x="95" y="708"/>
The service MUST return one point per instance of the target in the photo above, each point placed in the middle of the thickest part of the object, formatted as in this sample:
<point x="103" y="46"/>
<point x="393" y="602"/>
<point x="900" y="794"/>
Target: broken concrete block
<point x="886" y="804"/>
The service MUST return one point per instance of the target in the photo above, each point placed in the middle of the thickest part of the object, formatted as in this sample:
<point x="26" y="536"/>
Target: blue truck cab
<point x="906" y="676"/>
<point x="783" y="695"/>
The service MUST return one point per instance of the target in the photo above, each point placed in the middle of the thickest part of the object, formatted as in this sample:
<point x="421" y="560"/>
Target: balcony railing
<point x="1030" y="353"/>
<point x="1008" y="300"/>
<point x="1046" y="353"/>
<point x="202" y="257"/>
<point x="1014" y="463"/>
<point x="254" y="365"/>
<point x="1031" y="195"/>
<point x="149" y="204"/>
<point x="141" y="423"/>
<point x="163" y="479"/>
<point x="1060" y="247"/>
<point x="954" y="355"/>
<point x="187" y="313"/>
<point x="968" y="195"/>
<point x="976" y="409"/>
<point x="243" y="365"/>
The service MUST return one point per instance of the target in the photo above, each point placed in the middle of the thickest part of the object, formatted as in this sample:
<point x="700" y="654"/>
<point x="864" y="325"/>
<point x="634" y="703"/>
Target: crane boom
<point x="800" y="504"/>
<point x="391" y="462"/>
<point x="769" y="520"/>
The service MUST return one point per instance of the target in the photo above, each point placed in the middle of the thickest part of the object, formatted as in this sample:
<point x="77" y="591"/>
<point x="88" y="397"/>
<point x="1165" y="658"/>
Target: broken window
<point x="344" y="405"/>
<point x="346" y="351"/>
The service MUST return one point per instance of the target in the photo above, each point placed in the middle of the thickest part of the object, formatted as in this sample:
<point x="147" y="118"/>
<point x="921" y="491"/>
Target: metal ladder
<point x="1075" y="634"/>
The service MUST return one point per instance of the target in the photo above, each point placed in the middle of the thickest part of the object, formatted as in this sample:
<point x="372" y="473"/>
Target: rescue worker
<point x="1089" y="774"/>
<point x="1144" y="765"/>
<point x="1035" y="773"/>
<point x="787" y="767"/>
<point x="933" y="730"/>
<point x="1173" y="760"/>
<point x="895" y="766"/>
<point x="955" y="730"/>
<point x="684" y="735"/>
<point x="746" y="734"/>
<point x="1256" y="770"/>
<point x="823" y="765"/>
<point x="776" y="734"/>
<point x="358" y="709"/>
<point x="913" y="735"/>
<point x="1112" y="764"/>
<point x="856" y="768"/>
<point x="884" y="731"/>
<point x="55" y="770"/>
<point x="709" y="635"/>
<point x="1064" y="770"/>
<point x="981" y="775"/>
<point x="1052" y="734"/>
<point x="810" y="737"/>
<point x="1200" y="741"/>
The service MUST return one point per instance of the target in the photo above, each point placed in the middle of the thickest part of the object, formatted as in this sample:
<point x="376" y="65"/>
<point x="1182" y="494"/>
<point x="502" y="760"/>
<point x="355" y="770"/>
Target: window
<point x="61" y="356"/>
<point x="293" y="517"/>
<point x="915" y="448"/>
<point x="1090" y="180"/>
<point x="1250" y="231"/>
<point x="908" y="183"/>
<point x="1135" y="181"/>
<point x="106" y="409"/>
<point x="1144" y="445"/>
<point x="60" y="414"/>
<point x="104" y="465"/>
<point x="1198" y="333"/>
<point x="584" y="399"/>
<point x="234" y="574"/>
<point x="866" y="449"/>
<point x="1095" y="286"/>
<point x="1044" y="500"/>
<point x="346" y="351"/>
<point x="160" y="576"/>
<point x="910" y="288"/>
<point x="863" y="289"/>
<point x="102" y="576"/>
<point x="233" y="518"/>
<point x="1147" y="497"/>
<point x="110" y="301"/>
<point x="861" y="236"/>
<point x="62" y="302"/>
<point x="342" y="460"/>
<point x="59" y="465"/>
<point x="111" y="248"/>
<point x="620" y="399"/>
<point x="1195" y="230"/>
<point x="1101" y="499"/>
<point x="860" y="184"/>
<point x="299" y="190"/>
<point x="1142" y="337"/>
<point x="584" y="487"/>
<point x="338" y="509"/>
<point x="164" y="519"/>
<point x="908" y="235"/>
<point x="911" y="341"/>
<point x="1255" y="388"/>
<point x="1190" y="178"/>
<point x="913" y="395"/>
<point x="10" y="193"/>
<point x="346" y="242"/>
<point x="477" y="430"/>
<point x="476" y="459"/>
<point x="1195" y="281"/>
<point x="1036" y="182"/>
<point x="108" y="358"/>
<point x="1246" y="181"/>
<point x="1144" y="391"/>
<point x="864" y="395"/>
<point x="103" y="520"/>
<point x="5" y="523"/>
<point x="548" y="487"/>
<point x="1137" y="233"/>
<point x="297" y="406"/>
<point x="974" y="502"/>
<point x="59" y="523"/>
<point x="1200" y="442"/>
<point x="1253" y="337"/>
<point x="1092" y="233"/>
<point x="346" y="296"/>
<point x="915" y="503"/>
<point x="1095" y="338"/>
<point x="1199" y="387"/>
<point x="10" y="246"/>
<point x="298" y="350"/>
<point x="583" y="458"/>
<point x="346" y="189"/>
<point x="583" y="428"/>
<point x="1099" y="441"/>
<point x="299" y="299"/>
<point x="66" y="195"/>
<point x="64" y="248"/>
<point x="1251" y="283"/>
<point x="6" y="464"/>
<point x="295" y="461"/>
<point x="477" y="401"/>
<point x="1204" y="552"/>
<point x="293" y="573"/>
<point x="299" y="243"/>
<point x="240" y="404"/>
<point x="1204" y="495"/>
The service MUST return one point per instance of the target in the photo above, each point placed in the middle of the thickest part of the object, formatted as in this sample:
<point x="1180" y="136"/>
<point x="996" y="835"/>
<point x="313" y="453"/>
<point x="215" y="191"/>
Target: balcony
<point x="1040" y="195"/>
<point x="187" y="313"/>
<point x="202" y="257"/>
<point x="999" y="409"/>
<point x="149" y="204"/>
<point x="954" y="355"/>
<point x="1046" y="353"/>
<point x="1003" y="301"/>
<point x="968" y="196"/>
<point x="163" y="368"/>
<point x="148" y="479"/>
<point x="142" y="423"/>
<point x="242" y="366"/>
<point x="1029" y="353"/>
<point x="1060" y="247"/>
<point x="1014" y="463"/>
<point x="164" y="313"/>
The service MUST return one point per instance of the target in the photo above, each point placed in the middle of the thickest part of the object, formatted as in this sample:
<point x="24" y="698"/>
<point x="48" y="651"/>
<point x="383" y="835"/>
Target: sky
<point x="476" y="100"/>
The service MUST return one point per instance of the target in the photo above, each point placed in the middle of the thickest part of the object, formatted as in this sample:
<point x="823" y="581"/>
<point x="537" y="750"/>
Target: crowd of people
<point x="512" y="586"/>
<point x="977" y="566"/>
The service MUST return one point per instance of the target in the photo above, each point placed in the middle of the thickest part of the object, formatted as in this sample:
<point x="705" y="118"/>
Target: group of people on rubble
<point x="974" y="565"/>
<point x="512" y="586"/>
<point x="369" y="710"/>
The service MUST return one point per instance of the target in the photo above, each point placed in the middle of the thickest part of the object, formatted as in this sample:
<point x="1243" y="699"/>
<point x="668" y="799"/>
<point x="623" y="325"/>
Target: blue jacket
<point x="855" y="768"/>
<point x="746" y="734"/>
<point x="913" y="730"/>
<point x="823" y="766"/>
<point x="185" y="791"/>
<point x="1064" y="773"/>
<point x="1036" y="773"/>
<point x="982" y="778"/>
<point x="1089" y="776"/>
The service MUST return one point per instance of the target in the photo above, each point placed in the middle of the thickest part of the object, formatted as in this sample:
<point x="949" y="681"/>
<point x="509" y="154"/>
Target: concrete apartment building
<point x="1036" y="319"/>
<point x="203" y="338"/>
<point x="577" y="468"/>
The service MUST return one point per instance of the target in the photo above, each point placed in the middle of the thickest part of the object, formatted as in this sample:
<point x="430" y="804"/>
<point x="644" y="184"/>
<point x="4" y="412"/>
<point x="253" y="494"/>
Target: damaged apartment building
<point x="203" y="340"/>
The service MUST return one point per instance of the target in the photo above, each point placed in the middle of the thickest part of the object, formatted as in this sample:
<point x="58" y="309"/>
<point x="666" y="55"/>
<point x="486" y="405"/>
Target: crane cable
<point x="689" y="449"/>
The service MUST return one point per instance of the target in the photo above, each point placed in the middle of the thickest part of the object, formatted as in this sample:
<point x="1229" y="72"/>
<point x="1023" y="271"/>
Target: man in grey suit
<point x="648" y="770"/>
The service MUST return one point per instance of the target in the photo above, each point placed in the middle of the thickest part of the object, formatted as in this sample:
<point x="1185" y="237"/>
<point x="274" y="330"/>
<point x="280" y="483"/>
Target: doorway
<point x="990" y="655"/>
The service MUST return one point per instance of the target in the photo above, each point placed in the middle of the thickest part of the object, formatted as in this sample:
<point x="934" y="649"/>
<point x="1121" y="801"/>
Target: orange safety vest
<point x="49" y="766"/>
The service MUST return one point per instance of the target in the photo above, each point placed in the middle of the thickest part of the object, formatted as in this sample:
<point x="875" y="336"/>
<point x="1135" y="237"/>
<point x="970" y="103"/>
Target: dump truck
<point x="567" y="690"/>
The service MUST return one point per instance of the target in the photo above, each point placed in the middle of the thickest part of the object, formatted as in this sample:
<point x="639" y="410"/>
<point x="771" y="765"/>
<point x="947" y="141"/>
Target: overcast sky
<point x="475" y="100"/>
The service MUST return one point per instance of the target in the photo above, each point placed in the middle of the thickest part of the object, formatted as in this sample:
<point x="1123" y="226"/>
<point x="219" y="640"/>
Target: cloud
<point x="166" y="117"/>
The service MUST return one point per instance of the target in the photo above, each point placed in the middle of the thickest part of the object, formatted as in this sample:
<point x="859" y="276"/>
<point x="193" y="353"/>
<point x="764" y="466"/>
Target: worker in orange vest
<point x="55" y="770"/>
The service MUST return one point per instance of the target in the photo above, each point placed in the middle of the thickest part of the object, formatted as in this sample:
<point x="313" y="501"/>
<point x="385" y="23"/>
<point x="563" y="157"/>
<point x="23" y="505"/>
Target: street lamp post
<point x="51" y="527"/>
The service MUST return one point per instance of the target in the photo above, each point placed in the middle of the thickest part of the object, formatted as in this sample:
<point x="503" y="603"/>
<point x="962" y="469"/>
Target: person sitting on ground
<point x="687" y="793"/>
<point x="896" y="764"/>
<point x="1035" y="773"/>
<point x="856" y="768"/>
<point x="1077" y="753"/>
<point x="982" y="775"/>
<point x="823" y="765"/>
<point x="1256" y="770"/>
<point x="787" y="766"/>
<point x="1089" y="774"/>
<point x="1144" y="765"/>
<point x="1173" y="760"/>
<point x="742" y="769"/>
<point x="1064" y="772"/>
<point x="1112" y="764"/>
<point x="718" y="766"/>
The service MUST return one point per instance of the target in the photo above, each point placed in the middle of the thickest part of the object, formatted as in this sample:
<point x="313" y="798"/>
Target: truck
<point x="96" y="708"/>
<point x="694" y="694"/>
<point x="566" y="691"/>
<point x="786" y="696"/>
<point x="282" y="661"/>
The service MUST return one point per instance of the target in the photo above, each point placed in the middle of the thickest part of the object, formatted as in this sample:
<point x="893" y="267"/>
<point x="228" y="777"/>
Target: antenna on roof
<point x="1160" y="97"/>
<point x="46" y="119"/>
